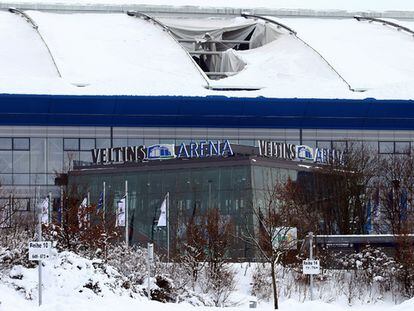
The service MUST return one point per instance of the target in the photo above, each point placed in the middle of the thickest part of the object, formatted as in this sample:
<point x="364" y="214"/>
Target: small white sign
<point x="311" y="267"/>
<point x="39" y="250"/>
<point x="151" y="252"/>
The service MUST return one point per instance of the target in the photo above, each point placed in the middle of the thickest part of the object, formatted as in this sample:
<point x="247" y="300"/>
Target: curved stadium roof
<point x="116" y="54"/>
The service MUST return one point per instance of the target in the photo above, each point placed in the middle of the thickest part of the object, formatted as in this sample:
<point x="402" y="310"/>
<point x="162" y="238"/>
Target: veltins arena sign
<point x="141" y="153"/>
<point x="294" y="152"/>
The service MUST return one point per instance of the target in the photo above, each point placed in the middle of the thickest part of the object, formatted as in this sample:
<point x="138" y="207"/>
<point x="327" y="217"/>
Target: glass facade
<point x="234" y="187"/>
<point x="192" y="191"/>
<point x="32" y="156"/>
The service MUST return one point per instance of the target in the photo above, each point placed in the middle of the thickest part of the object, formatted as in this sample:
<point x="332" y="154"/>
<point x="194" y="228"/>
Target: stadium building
<point x="75" y="80"/>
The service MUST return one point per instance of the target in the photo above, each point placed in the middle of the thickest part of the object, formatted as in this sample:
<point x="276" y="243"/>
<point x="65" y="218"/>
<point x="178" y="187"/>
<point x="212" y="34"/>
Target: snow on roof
<point x="349" y="5"/>
<point x="116" y="54"/>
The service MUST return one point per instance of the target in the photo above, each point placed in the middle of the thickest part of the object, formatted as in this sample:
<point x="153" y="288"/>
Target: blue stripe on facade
<point x="210" y="111"/>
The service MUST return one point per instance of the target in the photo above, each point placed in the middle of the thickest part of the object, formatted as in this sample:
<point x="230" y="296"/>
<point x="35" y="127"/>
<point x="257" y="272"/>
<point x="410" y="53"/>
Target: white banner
<point x="162" y="221"/>
<point x="120" y="214"/>
<point x="82" y="213"/>
<point x="45" y="211"/>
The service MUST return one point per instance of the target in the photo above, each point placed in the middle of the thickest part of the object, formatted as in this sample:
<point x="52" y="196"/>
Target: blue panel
<point x="210" y="111"/>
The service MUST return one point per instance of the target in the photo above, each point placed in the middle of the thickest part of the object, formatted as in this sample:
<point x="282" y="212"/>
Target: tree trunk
<point x="276" y="304"/>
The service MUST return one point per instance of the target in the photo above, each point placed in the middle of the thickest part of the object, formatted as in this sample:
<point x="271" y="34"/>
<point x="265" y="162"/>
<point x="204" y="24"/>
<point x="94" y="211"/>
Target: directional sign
<point x="311" y="267"/>
<point x="39" y="250"/>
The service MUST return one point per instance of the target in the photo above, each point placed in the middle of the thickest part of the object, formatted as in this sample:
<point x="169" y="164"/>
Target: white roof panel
<point x="22" y="53"/>
<point x="367" y="55"/>
<point x="116" y="54"/>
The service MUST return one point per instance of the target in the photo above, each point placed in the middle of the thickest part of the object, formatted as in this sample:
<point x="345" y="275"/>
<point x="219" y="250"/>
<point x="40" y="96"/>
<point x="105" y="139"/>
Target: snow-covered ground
<point x="11" y="301"/>
<point x="75" y="283"/>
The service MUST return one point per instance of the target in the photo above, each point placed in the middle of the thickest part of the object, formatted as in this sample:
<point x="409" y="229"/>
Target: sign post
<point x="126" y="215"/>
<point x="150" y="259"/>
<point x="311" y="266"/>
<point x="39" y="238"/>
<point x="39" y="250"/>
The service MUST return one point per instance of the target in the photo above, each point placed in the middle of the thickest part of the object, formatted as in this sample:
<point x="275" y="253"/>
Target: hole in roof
<point x="213" y="43"/>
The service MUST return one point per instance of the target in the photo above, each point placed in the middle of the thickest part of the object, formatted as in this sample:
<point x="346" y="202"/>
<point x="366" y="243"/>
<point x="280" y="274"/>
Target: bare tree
<point x="275" y="224"/>
<point x="193" y="255"/>
<point x="396" y="213"/>
<point x="341" y="190"/>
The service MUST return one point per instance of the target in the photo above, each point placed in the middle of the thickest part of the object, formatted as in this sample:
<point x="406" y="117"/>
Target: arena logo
<point x="141" y="153"/>
<point x="205" y="149"/>
<point x="119" y="155"/>
<point x="161" y="152"/>
<point x="299" y="152"/>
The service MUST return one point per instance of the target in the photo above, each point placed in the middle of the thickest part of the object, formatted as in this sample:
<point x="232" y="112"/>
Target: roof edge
<point x="171" y="9"/>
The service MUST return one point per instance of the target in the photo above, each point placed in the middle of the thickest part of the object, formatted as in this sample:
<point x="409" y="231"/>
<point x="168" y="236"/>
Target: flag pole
<point x="168" y="226"/>
<point x="87" y="207"/>
<point x="49" y="209"/>
<point x="126" y="214"/>
<point x="104" y="202"/>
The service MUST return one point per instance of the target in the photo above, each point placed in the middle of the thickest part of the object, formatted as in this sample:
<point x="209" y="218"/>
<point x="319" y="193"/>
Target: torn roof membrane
<point x="116" y="54"/>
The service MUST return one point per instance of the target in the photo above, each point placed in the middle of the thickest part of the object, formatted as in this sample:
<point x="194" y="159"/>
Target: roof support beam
<point x="292" y="32"/>
<point x="36" y="27"/>
<point x="384" y="22"/>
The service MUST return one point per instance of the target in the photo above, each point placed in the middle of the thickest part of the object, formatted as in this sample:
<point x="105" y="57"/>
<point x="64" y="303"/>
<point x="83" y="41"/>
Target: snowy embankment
<point x="75" y="283"/>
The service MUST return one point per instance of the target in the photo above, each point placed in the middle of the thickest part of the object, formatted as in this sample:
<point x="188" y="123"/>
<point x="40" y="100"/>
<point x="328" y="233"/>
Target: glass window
<point x="38" y="179"/>
<point x="6" y="162"/>
<point x="38" y="161"/>
<point x="21" y="179"/>
<point x="339" y="145"/>
<point x="310" y="143"/>
<point x="51" y="179"/>
<point x="257" y="177"/>
<point x="386" y="147"/>
<point x="324" y="144"/>
<point x="372" y="146"/>
<point x="5" y="143"/>
<point x="120" y="142"/>
<point x="21" y="161"/>
<point x="22" y="204"/>
<point x="402" y="147"/>
<point x="165" y="141"/>
<point x="68" y="158"/>
<point x="136" y="142"/>
<point x="85" y="156"/>
<point x="21" y="143"/>
<point x="149" y="141"/>
<point x="246" y="142"/>
<point x="6" y="179"/>
<point x="103" y="143"/>
<point x="293" y="142"/>
<point x="71" y="144"/>
<point x="55" y="155"/>
<point x="87" y="143"/>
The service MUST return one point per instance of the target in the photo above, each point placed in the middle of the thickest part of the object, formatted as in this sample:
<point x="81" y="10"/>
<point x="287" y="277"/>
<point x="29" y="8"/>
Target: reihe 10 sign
<point x="39" y="250"/>
<point x="311" y="266"/>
